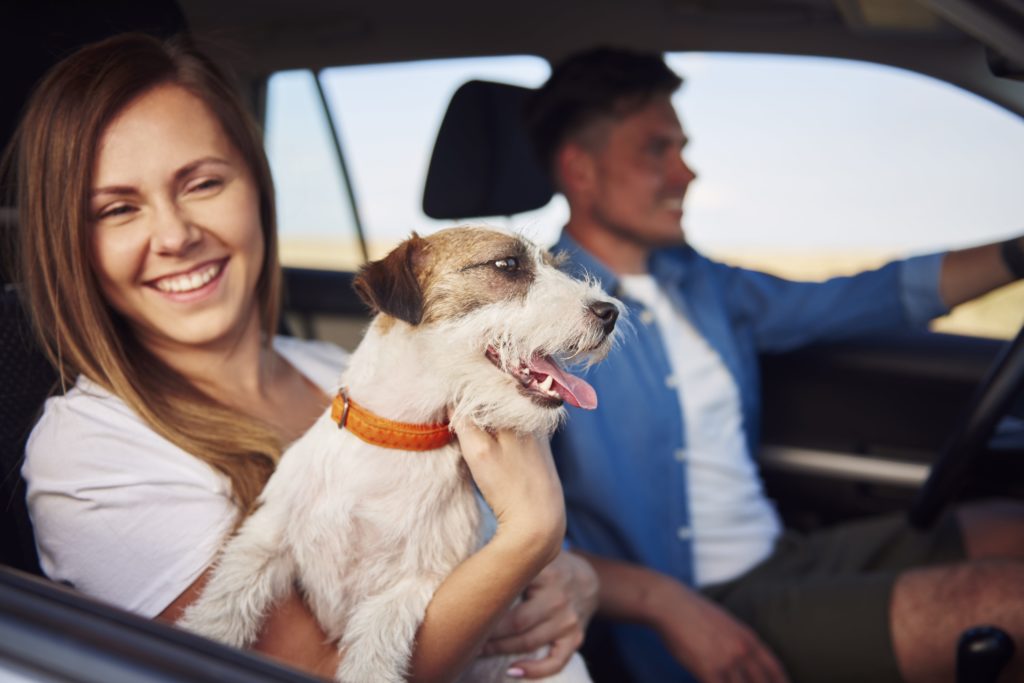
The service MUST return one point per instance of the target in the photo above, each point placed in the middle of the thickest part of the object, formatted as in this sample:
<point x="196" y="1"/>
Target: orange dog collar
<point x="378" y="431"/>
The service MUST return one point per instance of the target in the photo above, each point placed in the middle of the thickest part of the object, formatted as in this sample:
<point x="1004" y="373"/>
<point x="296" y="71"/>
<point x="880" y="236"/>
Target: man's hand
<point x="714" y="645"/>
<point x="555" y="611"/>
<point x="704" y="638"/>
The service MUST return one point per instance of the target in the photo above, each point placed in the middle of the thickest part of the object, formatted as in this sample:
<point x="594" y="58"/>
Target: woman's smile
<point x="191" y="285"/>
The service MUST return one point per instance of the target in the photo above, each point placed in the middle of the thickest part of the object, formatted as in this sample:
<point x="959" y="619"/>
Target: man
<point x="662" y="490"/>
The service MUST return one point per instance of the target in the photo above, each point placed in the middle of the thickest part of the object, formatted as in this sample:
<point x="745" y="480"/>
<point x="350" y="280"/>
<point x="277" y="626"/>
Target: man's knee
<point x="931" y="607"/>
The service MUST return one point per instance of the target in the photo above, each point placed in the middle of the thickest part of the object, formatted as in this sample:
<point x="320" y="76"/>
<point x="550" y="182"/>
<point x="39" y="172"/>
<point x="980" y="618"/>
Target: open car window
<point x="807" y="167"/>
<point x="813" y="167"/>
<point x="387" y="117"/>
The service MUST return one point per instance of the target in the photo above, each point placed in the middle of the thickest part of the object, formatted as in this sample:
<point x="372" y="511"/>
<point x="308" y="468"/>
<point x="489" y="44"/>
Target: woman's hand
<point x="555" y="611"/>
<point x="516" y="475"/>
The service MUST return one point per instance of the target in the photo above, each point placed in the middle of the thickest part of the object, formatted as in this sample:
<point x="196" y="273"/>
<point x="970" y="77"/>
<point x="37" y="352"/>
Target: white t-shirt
<point x="734" y="524"/>
<point x="119" y="512"/>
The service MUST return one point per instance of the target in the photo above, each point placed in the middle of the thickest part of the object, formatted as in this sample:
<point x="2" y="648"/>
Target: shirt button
<point x="671" y="382"/>
<point x="680" y="454"/>
<point x="685" y="533"/>
<point x="646" y="317"/>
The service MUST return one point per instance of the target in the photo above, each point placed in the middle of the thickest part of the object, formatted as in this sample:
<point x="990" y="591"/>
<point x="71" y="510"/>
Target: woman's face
<point x="177" y="241"/>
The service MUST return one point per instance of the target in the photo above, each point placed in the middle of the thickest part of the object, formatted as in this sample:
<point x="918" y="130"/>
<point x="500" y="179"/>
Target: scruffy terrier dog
<point x="472" y="322"/>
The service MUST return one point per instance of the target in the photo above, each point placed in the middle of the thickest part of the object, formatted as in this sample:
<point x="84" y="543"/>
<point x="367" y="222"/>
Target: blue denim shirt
<point x="623" y="465"/>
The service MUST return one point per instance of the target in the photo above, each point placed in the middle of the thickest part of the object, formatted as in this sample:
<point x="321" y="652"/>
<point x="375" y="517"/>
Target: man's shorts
<point x="821" y="600"/>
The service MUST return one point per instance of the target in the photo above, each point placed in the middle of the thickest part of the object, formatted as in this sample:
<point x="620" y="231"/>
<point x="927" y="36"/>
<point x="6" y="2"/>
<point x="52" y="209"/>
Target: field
<point x="999" y="315"/>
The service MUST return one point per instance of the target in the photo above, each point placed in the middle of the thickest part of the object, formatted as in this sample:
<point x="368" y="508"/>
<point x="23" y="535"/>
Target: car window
<point x="807" y="167"/>
<point x="387" y="117"/>
<point x="812" y="167"/>
<point x="316" y="220"/>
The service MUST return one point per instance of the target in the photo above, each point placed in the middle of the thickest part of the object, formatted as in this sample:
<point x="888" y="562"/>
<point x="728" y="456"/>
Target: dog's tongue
<point x="571" y="388"/>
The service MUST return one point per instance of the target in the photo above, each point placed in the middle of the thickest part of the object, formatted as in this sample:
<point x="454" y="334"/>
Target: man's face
<point x="640" y="178"/>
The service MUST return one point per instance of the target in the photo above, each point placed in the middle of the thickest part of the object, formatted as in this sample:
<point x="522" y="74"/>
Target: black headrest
<point x="483" y="163"/>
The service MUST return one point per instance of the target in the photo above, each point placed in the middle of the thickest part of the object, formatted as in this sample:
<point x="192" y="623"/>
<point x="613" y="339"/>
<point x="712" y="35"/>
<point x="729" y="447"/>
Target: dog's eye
<point x="509" y="264"/>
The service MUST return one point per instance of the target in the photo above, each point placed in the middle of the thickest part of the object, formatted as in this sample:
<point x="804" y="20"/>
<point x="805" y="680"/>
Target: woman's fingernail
<point x="515" y="672"/>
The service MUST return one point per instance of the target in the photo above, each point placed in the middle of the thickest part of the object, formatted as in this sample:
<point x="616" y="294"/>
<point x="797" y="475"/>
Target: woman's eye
<point x="509" y="264"/>
<point x="118" y="210"/>
<point x="207" y="184"/>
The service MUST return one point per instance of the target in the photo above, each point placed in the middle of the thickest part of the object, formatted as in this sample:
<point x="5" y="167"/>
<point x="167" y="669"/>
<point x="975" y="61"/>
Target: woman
<point x="149" y="260"/>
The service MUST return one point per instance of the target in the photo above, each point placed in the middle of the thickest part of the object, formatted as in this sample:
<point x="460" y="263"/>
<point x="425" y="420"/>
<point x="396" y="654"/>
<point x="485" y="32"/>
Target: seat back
<point x="26" y="379"/>
<point x="483" y="163"/>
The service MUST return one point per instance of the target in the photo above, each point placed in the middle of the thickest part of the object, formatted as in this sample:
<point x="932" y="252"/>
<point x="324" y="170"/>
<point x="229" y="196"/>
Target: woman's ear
<point x="390" y="285"/>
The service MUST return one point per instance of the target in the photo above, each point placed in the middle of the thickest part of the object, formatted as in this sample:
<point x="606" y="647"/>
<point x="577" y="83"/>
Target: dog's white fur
<point x="369" y="533"/>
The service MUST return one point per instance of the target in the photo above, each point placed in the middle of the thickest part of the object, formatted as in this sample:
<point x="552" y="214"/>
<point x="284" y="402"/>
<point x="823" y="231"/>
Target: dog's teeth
<point x="547" y="383"/>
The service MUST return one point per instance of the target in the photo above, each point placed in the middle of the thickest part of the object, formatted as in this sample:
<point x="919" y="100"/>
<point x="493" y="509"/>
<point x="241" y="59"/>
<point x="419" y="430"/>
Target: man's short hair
<point x="599" y="83"/>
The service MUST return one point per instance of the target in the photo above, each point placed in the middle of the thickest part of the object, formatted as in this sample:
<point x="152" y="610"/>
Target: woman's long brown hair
<point x="55" y="154"/>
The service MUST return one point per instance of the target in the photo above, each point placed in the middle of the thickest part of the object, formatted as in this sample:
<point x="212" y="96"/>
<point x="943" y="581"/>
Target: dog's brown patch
<point x="391" y="285"/>
<point x="448" y="274"/>
<point x="460" y="272"/>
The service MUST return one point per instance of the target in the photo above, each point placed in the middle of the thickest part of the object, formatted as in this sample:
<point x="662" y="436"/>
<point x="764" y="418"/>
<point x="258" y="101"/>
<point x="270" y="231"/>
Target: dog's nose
<point x="607" y="312"/>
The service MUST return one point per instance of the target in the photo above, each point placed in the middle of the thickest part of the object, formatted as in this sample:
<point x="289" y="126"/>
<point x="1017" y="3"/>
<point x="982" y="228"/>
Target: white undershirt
<point x="734" y="524"/>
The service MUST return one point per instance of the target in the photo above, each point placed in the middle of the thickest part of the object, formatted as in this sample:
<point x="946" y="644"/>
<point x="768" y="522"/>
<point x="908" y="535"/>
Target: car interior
<point x="884" y="423"/>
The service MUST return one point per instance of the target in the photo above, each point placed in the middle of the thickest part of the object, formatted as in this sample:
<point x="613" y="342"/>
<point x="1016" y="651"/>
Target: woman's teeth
<point x="189" y="281"/>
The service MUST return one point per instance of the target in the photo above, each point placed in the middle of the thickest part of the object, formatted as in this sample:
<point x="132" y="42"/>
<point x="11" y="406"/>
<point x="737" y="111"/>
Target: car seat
<point x="26" y="379"/>
<point x="483" y="163"/>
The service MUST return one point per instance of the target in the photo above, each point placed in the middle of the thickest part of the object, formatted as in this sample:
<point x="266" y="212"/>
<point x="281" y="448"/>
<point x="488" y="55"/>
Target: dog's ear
<point x="390" y="285"/>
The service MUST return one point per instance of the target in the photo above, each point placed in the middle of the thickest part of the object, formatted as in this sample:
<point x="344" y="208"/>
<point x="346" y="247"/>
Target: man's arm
<point x="703" y="637"/>
<point x="970" y="273"/>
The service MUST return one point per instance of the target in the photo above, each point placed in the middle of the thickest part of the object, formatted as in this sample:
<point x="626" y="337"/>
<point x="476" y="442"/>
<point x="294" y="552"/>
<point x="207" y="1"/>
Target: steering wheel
<point x="959" y="455"/>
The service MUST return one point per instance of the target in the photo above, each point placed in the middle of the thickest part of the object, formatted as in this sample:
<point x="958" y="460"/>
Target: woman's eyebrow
<point x="189" y="168"/>
<point x="114" y="189"/>
<point x="182" y="172"/>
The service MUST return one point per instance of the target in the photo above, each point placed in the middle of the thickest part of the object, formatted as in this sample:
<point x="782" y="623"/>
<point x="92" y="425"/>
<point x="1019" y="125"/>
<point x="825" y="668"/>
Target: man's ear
<point x="574" y="167"/>
<point x="390" y="285"/>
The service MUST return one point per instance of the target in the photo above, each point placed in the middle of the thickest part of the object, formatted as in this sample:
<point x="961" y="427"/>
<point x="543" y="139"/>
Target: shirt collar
<point x="668" y="265"/>
<point x="582" y="264"/>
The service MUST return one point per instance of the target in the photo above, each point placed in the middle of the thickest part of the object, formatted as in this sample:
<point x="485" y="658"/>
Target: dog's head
<point x="494" y="323"/>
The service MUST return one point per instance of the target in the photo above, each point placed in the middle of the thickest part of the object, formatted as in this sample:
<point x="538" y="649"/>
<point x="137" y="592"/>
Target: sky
<point x="791" y="152"/>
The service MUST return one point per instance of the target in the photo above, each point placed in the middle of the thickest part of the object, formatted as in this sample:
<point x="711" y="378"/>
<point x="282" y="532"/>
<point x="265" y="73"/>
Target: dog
<point x="473" y="323"/>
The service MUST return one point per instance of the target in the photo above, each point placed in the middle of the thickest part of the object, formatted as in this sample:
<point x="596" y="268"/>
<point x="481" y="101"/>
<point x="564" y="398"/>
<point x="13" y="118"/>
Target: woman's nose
<point x="173" y="232"/>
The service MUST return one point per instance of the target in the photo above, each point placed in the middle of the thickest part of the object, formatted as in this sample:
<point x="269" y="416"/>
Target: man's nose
<point x="682" y="172"/>
<point x="607" y="313"/>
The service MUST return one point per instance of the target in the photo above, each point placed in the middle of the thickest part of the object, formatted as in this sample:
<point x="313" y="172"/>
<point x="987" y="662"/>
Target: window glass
<point x="808" y="167"/>
<point x="315" y="219"/>
<point x="388" y="116"/>
<point x="813" y="167"/>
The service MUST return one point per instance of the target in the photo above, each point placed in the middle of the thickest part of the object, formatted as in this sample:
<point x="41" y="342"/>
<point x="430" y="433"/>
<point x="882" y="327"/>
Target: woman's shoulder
<point x="89" y="433"/>
<point x="84" y="409"/>
<point x="320" y="361"/>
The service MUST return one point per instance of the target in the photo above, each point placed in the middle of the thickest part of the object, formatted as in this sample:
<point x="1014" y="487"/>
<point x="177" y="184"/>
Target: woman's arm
<point x="517" y="478"/>
<point x="516" y="475"/>
<point x="290" y="633"/>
